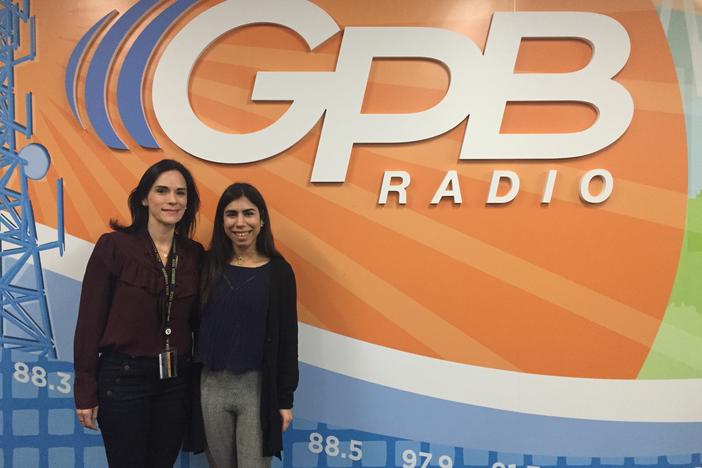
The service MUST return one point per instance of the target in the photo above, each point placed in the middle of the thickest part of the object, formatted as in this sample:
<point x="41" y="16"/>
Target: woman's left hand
<point x="286" y="418"/>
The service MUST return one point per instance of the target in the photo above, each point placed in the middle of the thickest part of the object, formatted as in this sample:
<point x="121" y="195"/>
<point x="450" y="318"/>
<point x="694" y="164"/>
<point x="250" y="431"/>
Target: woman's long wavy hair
<point x="140" y="213"/>
<point x="221" y="249"/>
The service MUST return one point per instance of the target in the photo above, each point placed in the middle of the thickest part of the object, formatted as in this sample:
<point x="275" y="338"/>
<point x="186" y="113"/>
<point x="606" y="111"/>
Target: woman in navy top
<point x="248" y="335"/>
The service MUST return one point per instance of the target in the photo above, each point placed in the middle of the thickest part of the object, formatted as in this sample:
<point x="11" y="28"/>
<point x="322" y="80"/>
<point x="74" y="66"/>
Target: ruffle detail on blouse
<point x="140" y="276"/>
<point x="151" y="280"/>
<point x="139" y="269"/>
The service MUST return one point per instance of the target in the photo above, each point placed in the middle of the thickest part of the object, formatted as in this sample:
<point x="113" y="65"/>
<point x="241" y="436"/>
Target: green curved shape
<point x="677" y="350"/>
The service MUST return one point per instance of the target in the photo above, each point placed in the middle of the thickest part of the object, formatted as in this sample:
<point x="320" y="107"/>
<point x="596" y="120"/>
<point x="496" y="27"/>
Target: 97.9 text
<point x="414" y="459"/>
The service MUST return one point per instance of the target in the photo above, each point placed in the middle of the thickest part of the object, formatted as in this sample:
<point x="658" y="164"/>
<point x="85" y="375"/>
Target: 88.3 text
<point x="37" y="376"/>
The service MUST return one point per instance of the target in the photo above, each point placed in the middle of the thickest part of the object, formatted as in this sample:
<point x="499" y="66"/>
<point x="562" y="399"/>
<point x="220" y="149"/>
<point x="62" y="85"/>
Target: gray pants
<point x="231" y="408"/>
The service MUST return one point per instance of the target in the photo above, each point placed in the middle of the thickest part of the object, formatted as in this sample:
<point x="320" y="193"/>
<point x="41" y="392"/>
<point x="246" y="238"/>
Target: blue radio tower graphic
<point x="25" y="323"/>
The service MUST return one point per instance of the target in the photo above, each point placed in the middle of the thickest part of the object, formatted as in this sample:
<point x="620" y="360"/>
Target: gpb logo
<point x="481" y="84"/>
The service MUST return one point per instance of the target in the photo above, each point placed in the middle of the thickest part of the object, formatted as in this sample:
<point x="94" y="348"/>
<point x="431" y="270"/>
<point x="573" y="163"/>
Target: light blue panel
<point x="342" y="459"/>
<point x="680" y="459"/>
<point x="646" y="461"/>
<point x="611" y="461"/>
<point x="24" y="390"/>
<point x="300" y="424"/>
<point x="25" y="458"/>
<point x="475" y="457"/>
<point x="438" y="450"/>
<point x="375" y="453"/>
<point x="25" y="422"/>
<point x="94" y="456"/>
<point x="579" y="461"/>
<point x="275" y="463"/>
<point x="23" y="357"/>
<point x="63" y="294"/>
<point x="61" y="421"/>
<point x="542" y="460"/>
<point x="508" y="458"/>
<point x="302" y="457"/>
<point x="196" y="461"/>
<point x="61" y="457"/>
<point x="2" y="423"/>
<point x="181" y="456"/>
<point x="403" y="445"/>
<point x="2" y="459"/>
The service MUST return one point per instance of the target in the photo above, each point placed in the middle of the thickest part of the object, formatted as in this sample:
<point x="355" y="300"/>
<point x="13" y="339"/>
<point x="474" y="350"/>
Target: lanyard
<point x="169" y="282"/>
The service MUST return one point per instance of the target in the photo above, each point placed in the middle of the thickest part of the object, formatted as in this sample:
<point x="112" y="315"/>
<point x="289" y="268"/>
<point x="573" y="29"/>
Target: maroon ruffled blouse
<point x="121" y="305"/>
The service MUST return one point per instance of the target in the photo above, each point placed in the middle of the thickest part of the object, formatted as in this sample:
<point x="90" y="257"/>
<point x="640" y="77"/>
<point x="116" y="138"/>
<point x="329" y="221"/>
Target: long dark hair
<point x="221" y="248"/>
<point x="140" y="213"/>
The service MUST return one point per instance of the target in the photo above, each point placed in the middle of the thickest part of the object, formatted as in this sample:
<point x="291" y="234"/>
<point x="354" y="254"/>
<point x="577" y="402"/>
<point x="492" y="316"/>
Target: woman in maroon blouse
<point x="133" y="337"/>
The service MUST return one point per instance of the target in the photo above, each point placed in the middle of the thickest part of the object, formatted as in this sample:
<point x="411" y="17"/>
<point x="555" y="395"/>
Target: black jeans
<point x="142" y="418"/>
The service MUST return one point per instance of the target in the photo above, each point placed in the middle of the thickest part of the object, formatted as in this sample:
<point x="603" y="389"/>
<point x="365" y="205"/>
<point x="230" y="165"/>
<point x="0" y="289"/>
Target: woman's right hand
<point x="88" y="417"/>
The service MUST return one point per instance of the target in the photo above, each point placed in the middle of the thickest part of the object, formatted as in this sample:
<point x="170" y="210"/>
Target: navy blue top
<point x="233" y="324"/>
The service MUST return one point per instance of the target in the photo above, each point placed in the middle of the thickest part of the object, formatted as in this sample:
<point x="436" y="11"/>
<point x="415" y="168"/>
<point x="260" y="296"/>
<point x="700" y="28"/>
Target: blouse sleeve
<point x="288" y="373"/>
<point x="95" y="299"/>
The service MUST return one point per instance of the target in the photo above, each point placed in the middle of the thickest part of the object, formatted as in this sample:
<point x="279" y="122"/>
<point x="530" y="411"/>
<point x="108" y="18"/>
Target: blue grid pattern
<point x="379" y="450"/>
<point x="38" y="425"/>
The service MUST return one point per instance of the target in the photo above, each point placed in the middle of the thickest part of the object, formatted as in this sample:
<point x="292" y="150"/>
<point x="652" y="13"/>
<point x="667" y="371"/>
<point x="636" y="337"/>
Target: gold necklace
<point x="163" y="255"/>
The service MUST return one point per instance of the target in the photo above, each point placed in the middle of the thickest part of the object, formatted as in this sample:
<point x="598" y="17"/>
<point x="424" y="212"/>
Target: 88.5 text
<point x="331" y="447"/>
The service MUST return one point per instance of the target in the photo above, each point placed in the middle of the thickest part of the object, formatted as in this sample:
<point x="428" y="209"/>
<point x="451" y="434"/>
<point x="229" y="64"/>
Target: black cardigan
<point x="279" y="373"/>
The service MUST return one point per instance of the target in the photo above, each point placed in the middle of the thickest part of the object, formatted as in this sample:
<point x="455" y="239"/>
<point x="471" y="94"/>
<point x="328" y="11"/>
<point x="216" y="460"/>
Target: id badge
<point x="167" y="364"/>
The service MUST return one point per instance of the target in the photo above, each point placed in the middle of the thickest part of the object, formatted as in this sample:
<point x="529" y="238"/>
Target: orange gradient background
<point x="563" y="289"/>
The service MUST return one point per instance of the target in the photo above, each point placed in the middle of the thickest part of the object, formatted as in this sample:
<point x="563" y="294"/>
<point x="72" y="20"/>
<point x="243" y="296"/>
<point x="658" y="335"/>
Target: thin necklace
<point x="241" y="285"/>
<point x="239" y="260"/>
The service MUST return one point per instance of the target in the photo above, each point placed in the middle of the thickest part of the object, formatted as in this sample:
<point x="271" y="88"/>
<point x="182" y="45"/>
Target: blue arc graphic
<point x="96" y="82"/>
<point x="131" y="78"/>
<point x="77" y="58"/>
